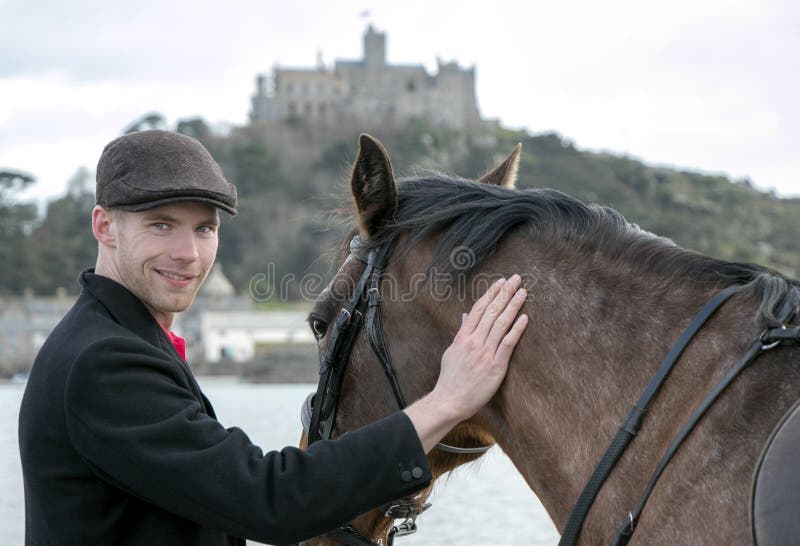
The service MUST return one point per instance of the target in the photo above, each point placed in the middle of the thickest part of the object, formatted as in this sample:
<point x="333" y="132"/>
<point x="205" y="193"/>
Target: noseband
<point x="319" y="410"/>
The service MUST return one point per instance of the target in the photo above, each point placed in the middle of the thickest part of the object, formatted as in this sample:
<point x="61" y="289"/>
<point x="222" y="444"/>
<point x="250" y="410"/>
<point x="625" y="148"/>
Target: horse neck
<point x="595" y="339"/>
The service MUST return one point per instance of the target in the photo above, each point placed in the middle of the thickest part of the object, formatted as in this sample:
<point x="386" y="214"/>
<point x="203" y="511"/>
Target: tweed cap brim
<point x="144" y="170"/>
<point x="166" y="201"/>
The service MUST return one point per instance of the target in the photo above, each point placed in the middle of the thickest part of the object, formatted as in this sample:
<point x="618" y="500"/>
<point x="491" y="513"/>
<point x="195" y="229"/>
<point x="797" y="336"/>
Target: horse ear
<point x="505" y="174"/>
<point x="372" y="184"/>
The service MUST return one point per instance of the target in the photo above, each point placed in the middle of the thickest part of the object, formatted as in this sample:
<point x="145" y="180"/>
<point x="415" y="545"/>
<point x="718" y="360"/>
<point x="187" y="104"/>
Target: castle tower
<point x="374" y="48"/>
<point x="261" y="85"/>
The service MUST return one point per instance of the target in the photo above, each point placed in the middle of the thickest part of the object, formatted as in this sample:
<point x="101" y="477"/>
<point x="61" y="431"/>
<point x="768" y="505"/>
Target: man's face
<point x="164" y="254"/>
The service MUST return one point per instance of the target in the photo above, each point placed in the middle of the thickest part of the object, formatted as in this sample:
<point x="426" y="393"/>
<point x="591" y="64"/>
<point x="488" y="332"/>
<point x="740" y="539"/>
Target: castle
<point x="368" y="89"/>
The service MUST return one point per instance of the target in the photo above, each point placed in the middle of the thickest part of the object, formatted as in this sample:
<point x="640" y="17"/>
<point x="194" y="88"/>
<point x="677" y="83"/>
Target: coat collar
<point x="125" y="307"/>
<point x="130" y="312"/>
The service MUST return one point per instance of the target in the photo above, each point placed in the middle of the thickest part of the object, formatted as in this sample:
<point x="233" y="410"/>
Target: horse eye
<point x="318" y="327"/>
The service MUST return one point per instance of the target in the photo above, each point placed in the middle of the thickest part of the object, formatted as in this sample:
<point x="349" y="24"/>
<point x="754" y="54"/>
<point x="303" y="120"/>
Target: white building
<point x="223" y="326"/>
<point x="237" y="335"/>
<point x="219" y="326"/>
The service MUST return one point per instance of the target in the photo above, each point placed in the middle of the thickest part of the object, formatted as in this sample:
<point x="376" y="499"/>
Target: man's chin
<point x="180" y="308"/>
<point x="176" y="306"/>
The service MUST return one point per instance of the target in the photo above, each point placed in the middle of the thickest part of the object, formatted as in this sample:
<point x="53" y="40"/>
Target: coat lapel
<point x="130" y="312"/>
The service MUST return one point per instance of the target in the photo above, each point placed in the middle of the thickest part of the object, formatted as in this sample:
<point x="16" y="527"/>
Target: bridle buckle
<point x="408" y="527"/>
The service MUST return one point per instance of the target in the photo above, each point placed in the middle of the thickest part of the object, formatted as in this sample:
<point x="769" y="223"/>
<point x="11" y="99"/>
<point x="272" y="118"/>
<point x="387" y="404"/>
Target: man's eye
<point x="318" y="327"/>
<point x="161" y="226"/>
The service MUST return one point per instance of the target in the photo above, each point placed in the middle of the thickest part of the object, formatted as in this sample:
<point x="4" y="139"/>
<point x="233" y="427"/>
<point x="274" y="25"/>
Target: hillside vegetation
<point x="287" y="191"/>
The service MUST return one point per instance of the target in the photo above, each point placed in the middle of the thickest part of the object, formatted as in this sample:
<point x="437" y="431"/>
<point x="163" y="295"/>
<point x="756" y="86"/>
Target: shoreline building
<point x="223" y="331"/>
<point x="369" y="88"/>
<point x="25" y="323"/>
<point x="222" y="326"/>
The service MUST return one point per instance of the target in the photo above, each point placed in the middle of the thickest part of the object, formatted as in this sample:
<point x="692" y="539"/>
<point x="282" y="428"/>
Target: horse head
<point x="404" y="294"/>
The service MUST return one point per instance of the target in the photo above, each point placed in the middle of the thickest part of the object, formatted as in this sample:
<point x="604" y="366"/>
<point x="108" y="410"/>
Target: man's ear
<point x="372" y="184"/>
<point x="104" y="226"/>
<point x="504" y="174"/>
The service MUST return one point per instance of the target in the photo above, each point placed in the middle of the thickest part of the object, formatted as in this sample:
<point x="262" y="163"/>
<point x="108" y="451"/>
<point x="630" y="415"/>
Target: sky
<point x="706" y="85"/>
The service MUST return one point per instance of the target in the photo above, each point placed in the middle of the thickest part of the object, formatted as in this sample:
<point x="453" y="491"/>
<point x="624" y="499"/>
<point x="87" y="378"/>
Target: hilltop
<point x="290" y="178"/>
<point x="286" y="188"/>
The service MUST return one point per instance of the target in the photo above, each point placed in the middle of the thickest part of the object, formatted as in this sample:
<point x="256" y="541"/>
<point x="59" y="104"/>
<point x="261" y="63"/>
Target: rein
<point x="769" y="339"/>
<point x="319" y="410"/>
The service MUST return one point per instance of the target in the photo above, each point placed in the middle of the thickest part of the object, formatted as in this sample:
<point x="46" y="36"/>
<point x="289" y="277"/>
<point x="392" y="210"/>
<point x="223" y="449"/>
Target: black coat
<point x="120" y="446"/>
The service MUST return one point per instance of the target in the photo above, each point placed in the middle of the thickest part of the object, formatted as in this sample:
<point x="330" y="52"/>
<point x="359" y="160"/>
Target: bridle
<point x="319" y="409"/>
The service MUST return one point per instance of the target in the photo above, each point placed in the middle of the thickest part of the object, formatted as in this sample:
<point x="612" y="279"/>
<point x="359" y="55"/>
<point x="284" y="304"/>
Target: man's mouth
<point x="177" y="277"/>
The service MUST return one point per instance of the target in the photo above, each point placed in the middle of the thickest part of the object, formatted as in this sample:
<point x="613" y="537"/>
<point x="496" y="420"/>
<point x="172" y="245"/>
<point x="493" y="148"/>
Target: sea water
<point x="484" y="503"/>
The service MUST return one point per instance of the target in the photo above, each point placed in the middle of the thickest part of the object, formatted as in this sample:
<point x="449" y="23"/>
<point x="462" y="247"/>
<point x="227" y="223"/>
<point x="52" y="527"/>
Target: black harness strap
<point x="378" y="342"/>
<point x="777" y="335"/>
<point x="765" y="342"/>
<point x="630" y="426"/>
<point x="345" y="329"/>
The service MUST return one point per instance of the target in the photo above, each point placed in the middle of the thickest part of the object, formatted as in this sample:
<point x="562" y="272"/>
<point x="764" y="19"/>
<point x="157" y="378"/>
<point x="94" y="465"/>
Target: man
<point x="118" y="443"/>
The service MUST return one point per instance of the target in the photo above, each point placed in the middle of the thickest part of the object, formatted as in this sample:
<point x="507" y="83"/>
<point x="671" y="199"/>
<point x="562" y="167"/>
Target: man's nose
<point x="184" y="247"/>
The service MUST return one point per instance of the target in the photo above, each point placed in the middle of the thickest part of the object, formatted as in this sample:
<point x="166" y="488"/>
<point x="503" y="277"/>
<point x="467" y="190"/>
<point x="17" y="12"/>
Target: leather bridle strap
<point x="378" y="344"/>
<point x="632" y="422"/>
<point x="345" y="329"/>
<point x="321" y="406"/>
<point x="788" y="310"/>
<point x="375" y="333"/>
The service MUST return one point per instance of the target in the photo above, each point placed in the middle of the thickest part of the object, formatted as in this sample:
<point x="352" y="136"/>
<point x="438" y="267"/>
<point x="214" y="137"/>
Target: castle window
<point x="411" y="86"/>
<point x="292" y="109"/>
<point x="322" y="109"/>
<point x="289" y="88"/>
<point x="307" y="109"/>
<point x="305" y="89"/>
<point x="320" y="89"/>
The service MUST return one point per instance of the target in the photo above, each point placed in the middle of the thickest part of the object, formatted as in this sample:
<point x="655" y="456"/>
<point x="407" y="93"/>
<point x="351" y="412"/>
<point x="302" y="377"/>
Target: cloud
<point x="85" y="40"/>
<point x="706" y="84"/>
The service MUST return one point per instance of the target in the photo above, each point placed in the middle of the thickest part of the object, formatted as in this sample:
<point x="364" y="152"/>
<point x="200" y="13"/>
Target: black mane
<point x="476" y="216"/>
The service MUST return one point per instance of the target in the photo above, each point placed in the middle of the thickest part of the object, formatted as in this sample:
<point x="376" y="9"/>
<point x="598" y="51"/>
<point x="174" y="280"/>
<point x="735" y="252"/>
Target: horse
<point x="606" y="301"/>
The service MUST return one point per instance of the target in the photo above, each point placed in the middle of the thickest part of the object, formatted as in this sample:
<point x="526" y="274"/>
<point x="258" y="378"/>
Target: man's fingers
<point x="469" y="324"/>
<point x="498" y="305"/>
<point x="509" y="341"/>
<point x="506" y="318"/>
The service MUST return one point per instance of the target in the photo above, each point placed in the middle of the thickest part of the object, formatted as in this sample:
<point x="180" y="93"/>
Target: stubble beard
<point x="143" y="282"/>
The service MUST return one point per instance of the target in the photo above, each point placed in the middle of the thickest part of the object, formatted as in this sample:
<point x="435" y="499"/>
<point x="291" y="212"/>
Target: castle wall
<point x="369" y="89"/>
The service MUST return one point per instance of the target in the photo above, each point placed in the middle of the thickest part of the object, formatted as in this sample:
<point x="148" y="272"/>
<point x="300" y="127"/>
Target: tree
<point x="80" y="186"/>
<point x="16" y="221"/>
<point x="151" y="120"/>
<point x="195" y="128"/>
<point x="63" y="244"/>
<point x="255" y="170"/>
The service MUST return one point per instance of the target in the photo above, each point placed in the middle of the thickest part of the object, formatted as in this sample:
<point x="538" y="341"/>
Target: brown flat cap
<point x="144" y="170"/>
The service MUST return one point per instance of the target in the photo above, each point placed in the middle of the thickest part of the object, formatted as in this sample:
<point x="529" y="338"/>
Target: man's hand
<point x="475" y="364"/>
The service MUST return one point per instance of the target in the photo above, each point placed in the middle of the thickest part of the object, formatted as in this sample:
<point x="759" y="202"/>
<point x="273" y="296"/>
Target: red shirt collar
<point x="178" y="342"/>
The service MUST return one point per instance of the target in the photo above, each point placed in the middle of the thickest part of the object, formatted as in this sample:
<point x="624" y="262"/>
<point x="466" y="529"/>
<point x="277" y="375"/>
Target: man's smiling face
<point x="164" y="254"/>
